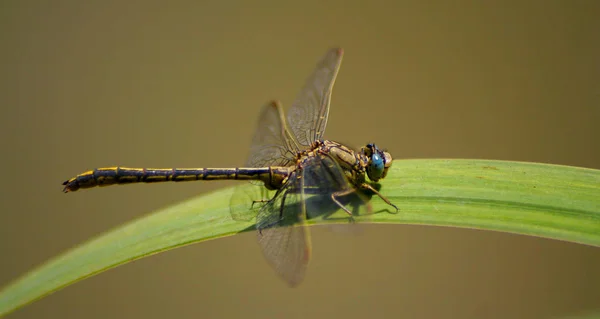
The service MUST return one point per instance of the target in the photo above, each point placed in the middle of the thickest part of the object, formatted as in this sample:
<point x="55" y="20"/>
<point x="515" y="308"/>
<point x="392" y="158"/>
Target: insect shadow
<point x="322" y="206"/>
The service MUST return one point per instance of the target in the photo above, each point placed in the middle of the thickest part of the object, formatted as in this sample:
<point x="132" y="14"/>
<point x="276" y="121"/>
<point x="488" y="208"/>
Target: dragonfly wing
<point x="282" y="234"/>
<point x="309" y="112"/>
<point x="272" y="145"/>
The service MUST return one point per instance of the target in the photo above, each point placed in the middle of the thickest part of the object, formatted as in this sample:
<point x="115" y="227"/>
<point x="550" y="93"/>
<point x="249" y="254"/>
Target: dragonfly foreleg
<point x="387" y="201"/>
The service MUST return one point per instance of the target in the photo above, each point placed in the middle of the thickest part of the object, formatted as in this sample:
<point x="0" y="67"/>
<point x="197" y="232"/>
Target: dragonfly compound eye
<point x="376" y="167"/>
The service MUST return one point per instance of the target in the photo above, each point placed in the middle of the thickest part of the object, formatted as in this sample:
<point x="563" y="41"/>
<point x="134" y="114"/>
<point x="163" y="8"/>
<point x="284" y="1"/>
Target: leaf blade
<point x="551" y="201"/>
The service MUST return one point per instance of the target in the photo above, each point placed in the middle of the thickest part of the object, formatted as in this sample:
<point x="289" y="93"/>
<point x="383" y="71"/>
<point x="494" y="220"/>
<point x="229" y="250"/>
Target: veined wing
<point x="282" y="233"/>
<point x="309" y="112"/>
<point x="272" y="145"/>
<point x="284" y="239"/>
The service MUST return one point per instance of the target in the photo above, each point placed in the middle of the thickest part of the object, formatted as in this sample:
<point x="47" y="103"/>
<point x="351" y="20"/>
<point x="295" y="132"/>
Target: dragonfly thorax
<point x="369" y="161"/>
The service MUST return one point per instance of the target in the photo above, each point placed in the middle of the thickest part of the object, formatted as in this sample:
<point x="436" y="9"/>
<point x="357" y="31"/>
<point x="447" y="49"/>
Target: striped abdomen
<point x="273" y="177"/>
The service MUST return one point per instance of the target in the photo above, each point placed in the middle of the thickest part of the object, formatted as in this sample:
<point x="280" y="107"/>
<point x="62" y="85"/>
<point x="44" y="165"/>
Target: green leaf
<point x="551" y="201"/>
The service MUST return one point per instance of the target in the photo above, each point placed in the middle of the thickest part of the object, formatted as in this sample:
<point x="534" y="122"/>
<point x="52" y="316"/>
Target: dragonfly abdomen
<point x="125" y="175"/>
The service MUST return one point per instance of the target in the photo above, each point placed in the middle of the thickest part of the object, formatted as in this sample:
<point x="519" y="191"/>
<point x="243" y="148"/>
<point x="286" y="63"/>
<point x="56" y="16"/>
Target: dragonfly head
<point x="378" y="162"/>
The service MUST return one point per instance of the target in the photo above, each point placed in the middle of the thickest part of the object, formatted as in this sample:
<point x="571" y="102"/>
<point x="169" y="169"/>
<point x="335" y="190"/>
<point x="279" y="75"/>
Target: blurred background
<point x="145" y="83"/>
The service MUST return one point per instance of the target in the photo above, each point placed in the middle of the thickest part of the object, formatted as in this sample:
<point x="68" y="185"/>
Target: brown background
<point x="149" y="84"/>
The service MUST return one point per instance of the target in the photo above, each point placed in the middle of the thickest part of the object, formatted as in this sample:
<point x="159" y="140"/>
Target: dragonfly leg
<point x="343" y="193"/>
<point x="282" y="206"/>
<point x="387" y="201"/>
<point x="280" y="211"/>
<point x="258" y="201"/>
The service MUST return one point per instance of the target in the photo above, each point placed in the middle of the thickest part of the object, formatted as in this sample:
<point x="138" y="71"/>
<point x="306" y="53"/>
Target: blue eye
<point x="376" y="166"/>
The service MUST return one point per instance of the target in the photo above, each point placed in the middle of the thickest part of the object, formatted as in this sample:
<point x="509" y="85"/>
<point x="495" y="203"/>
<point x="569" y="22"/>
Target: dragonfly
<point x="291" y="159"/>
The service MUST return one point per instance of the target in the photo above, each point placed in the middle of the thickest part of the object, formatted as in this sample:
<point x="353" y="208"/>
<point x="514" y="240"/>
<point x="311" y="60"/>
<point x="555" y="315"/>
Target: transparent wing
<point x="282" y="234"/>
<point x="309" y="112"/>
<point x="272" y="145"/>
<point x="309" y="193"/>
